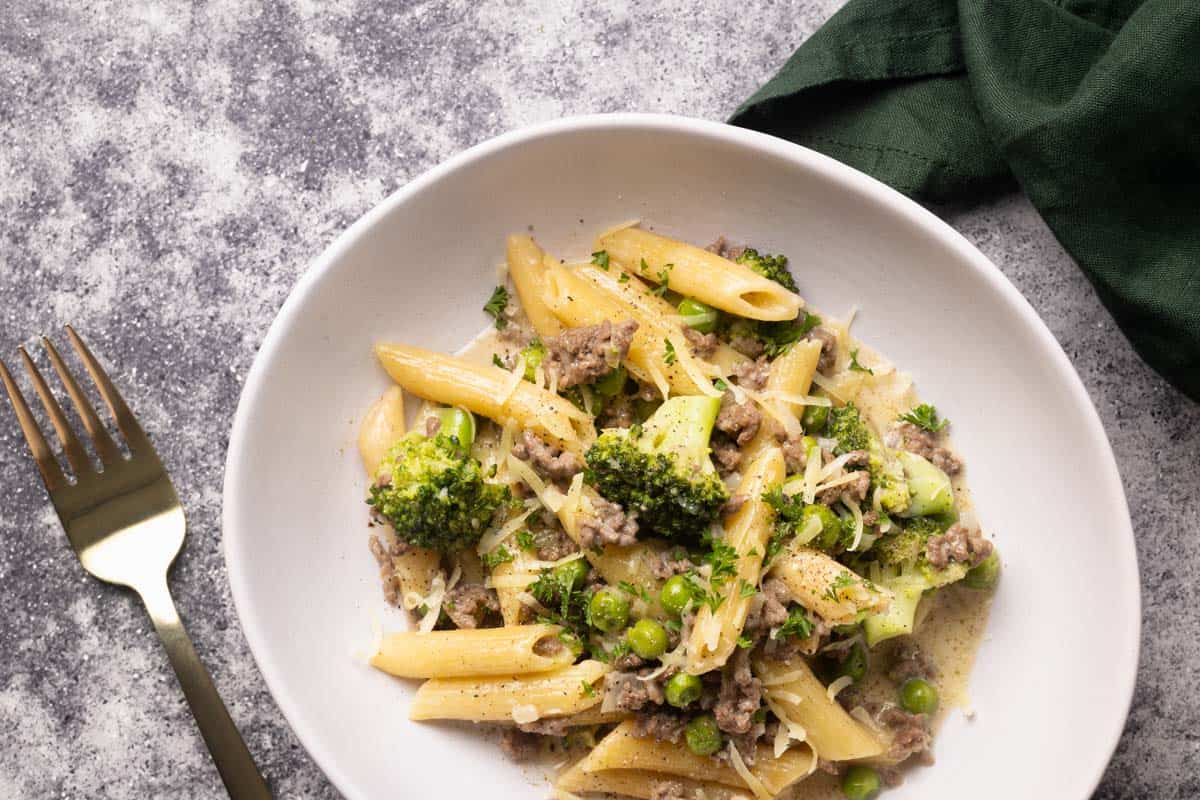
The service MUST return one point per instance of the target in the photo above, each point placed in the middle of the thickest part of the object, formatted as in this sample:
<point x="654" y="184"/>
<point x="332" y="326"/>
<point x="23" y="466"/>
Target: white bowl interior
<point x="1055" y="674"/>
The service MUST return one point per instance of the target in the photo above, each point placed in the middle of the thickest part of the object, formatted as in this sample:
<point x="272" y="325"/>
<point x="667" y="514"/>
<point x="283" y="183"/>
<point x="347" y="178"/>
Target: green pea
<point x="698" y="316"/>
<point x="647" y="638"/>
<point x="985" y="574"/>
<point x="831" y="528"/>
<point x="609" y="611"/>
<point x="861" y="783"/>
<point x="458" y="423"/>
<point x="683" y="689"/>
<point x="853" y="665"/>
<point x="703" y="736"/>
<point x="815" y="418"/>
<point x="572" y="574"/>
<point x="676" y="593"/>
<point x="612" y="383"/>
<point x="918" y="696"/>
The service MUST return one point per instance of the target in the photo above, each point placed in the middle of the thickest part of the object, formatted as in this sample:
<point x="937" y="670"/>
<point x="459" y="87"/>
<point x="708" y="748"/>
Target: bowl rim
<point x="831" y="169"/>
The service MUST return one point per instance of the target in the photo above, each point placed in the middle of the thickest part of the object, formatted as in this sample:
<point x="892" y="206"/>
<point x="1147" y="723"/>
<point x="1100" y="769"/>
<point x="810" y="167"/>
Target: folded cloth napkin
<point x="1092" y="107"/>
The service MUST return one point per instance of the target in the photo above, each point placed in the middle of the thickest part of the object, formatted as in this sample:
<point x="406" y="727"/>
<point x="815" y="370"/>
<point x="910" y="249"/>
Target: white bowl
<point x="1055" y="676"/>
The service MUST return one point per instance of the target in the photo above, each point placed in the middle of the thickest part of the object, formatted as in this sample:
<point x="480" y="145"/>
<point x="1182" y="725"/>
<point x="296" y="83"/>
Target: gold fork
<point x="126" y="525"/>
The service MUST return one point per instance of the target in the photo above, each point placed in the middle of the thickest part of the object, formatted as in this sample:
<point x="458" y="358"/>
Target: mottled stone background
<point x="168" y="169"/>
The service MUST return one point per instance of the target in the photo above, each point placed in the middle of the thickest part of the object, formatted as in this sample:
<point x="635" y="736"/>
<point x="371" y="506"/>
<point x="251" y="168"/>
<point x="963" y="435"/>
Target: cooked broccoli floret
<point x="534" y="354"/>
<point x="773" y="267"/>
<point x="433" y="493"/>
<point x="888" y="482"/>
<point x="908" y="575"/>
<point x="661" y="470"/>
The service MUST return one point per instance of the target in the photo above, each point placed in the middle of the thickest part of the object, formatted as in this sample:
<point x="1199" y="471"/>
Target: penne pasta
<point x="792" y="690"/>
<point x="828" y="589"/>
<point x="792" y="373"/>
<point x="715" y="633"/>
<point x="415" y="570"/>
<point x="639" y="783"/>
<point x="513" y="698"/>
<point x="382" y="426"/>
<point x="695" y="272"/>
<point x="486" y="390"/>
<point x="621" y="750"/>
<point x="511" y="650"/>
<point x="527" y="268"/>
<point x="578" y="302"/>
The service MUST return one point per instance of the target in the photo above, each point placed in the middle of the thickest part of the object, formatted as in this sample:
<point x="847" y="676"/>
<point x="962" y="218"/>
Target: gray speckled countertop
<point x="167" y="173"/>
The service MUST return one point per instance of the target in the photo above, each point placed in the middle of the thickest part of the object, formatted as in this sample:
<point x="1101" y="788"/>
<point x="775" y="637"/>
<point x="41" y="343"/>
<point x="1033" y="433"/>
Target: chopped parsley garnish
<point x="778" y="337"/>
<point x="669" y="357"/>
<point x="600" y="259"/>
<point x="857" y="367"/>
<point x="644" y="267"/>
<point x="496" y="304"/>
<point x="496" y="360"/>
<point x="746" y="588"/>
<point x="636" y="591"/>
<point x="721" y="385"/>
<point x="525" y="540"/>
<point x="500" y="555"/>
<point x="664" y="280"/>
<point x="588" y="689"/>
<point x="925" y="416"/>
<point x="623" y="278"/>
<point x="723" y="560"/>
<point x="744" y="642"/>
<point x="832" y="591"/>
<point x="797" y="626"/>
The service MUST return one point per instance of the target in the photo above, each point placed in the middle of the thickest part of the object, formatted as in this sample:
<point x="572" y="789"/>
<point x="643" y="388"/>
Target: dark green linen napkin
<point x="1092" y="107"/>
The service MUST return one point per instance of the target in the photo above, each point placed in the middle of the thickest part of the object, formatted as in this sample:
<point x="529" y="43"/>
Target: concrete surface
<point x="168" y="169"/>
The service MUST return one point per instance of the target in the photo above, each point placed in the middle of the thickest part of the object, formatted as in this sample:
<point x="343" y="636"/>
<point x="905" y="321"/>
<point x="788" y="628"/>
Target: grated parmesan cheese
<point x="490" y="541"/>
<point x="858" y="521"/>
<point x="514" y="380"/>
<point x="748" y="777"/>
<point x="525" y="714"/>
<point x="831" y="691"/>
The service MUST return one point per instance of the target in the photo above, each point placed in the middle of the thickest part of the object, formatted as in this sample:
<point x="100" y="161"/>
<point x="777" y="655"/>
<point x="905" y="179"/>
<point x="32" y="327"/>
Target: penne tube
<point x="639" y="783"/>
<point x="793" y="689"/>
<point x="486" y="390"/>
<point x="511" y="650"/>
<point x="715" y="633"/>
<point x="509" y="584"/>
<point x="622" y="750"/>
<point x="382" y="426"/>
<point x="527" y="268"/>
<point x="823" y="586"/>
<point x="695" y="272"/>
<point x="578" y="302"/>
<point x="512" y="698"/>
<point x="792" y="372"/>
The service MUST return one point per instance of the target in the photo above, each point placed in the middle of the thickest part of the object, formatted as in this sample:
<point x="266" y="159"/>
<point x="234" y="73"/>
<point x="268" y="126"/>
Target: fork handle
<point x="233" y="760"/>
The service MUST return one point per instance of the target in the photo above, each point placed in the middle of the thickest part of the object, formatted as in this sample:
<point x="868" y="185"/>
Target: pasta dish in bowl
<point x="674" y="528"/>
<point x="711" y="472"/>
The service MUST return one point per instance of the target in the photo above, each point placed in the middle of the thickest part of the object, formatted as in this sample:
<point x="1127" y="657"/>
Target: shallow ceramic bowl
<point x="1055" y="674"/>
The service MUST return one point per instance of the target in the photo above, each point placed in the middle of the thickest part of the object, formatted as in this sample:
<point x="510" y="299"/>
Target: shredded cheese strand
<point x="748" y="777"/>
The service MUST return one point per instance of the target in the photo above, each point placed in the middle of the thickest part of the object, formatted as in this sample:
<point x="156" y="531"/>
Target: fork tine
<point x="52" y="474"/>
<point x="135" y="437"/>
<point x="77" y="457"/>
<point x="105" y="447"/>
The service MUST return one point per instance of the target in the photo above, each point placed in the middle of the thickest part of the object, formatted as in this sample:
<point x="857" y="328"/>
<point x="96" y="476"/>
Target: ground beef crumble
<point x="663" y="726"/>
<point x="910" y="734"/>
<point x="915" y="439"/>
<point x="584" y="355"/>
<point x="909" y="662"/>
<point x="672" y="562"/>
<point x="609" y="524"/>
<point x="546" y="459"/>
<point x="703" y="344"/>
<point x="617" y="414"/>
<point x="739" y="421"/>
<point x="740" y="695"/>
<point x="553" y="544"/>
<point x="733" y="504"/>
<point x="855" y="490"/>
<point x="958" y="545"/>
<point x="726" y="249"/>
<point x="470" y="605"/>
<point x="631" y="693"/>
<point x="725" y="455"/>
<point x="387" y="570"/>
<point x="753" y="374"/>
<point x="519" y="745"/>
<point x="828" y="340"/>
